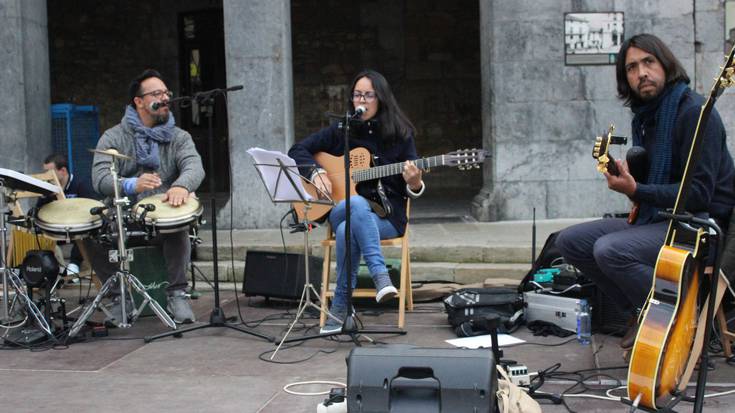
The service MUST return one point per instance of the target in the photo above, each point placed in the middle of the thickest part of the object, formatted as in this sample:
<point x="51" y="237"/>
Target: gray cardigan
<point x="181" y="164"/>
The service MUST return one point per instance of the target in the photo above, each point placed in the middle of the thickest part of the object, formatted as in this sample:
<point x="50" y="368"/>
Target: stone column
<point x="258" y="54"/>
<point x="25" y="135"/>
<point x="483" y="206"/>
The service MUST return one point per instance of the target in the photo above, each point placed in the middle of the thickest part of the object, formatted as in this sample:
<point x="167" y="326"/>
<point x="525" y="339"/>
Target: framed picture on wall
<point x="592" y="38"/>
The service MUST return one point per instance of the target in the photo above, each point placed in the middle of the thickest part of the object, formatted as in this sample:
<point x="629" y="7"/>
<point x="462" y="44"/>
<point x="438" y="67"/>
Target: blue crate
<point x="75" y="129"/>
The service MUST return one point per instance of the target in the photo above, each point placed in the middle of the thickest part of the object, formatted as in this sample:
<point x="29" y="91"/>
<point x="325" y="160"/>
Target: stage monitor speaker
<point x="403" y="378"/>
<point x="280" y="275"/>
<point x="607" y="318"/>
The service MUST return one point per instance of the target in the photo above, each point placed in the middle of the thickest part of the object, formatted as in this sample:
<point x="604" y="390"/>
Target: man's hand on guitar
<point x="623" y="183"/>
<point x="412" y="176"/>
<point x="323" y="184"/>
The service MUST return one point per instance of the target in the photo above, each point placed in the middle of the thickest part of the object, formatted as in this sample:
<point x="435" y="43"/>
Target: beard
<point x="160" y="118"/>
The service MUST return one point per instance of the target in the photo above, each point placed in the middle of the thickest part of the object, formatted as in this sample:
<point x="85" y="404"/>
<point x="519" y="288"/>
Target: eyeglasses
<point x="368" y="96"/>
<point x="159" y="94"/>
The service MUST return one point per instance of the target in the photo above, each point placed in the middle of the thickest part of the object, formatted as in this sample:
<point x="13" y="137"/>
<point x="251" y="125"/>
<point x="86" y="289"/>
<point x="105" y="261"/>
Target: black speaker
<point x="607" y="318"/>
<point x="403" y="379"/>
<point x="280" y="275"/>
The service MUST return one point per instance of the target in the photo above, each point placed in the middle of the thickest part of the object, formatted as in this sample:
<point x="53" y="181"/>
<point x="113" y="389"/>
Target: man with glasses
<point x="164" y="161"/>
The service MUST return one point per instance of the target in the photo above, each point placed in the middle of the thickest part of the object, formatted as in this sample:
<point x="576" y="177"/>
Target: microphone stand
<point x="217" y="317"/>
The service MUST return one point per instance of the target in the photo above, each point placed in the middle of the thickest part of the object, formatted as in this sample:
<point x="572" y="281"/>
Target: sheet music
<point x="23" y="182"/>
<point x="277" y="184"/>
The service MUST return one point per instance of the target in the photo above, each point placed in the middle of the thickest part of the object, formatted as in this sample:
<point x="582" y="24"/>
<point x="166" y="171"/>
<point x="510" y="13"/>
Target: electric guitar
<point x="365" y="180"/>
<point x="636" y="159"/>
<point x="664" y="344"/>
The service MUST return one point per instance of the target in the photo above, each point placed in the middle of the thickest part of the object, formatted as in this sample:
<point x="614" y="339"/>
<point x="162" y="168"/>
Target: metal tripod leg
<point x="29" y="304"/>
<point x="147" y="299"/>
<point x="304" y="302"/>
<point x="122" y="277"/>
<point x="89" y="309"/>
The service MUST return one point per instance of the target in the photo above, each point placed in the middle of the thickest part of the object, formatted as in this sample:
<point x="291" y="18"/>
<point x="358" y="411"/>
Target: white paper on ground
<point x="484" y="341"/>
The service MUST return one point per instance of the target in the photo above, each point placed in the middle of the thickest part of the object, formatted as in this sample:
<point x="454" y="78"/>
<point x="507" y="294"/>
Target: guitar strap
<point x="699" y="336"/>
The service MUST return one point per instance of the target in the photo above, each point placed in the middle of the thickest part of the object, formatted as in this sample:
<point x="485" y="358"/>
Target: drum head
<point x="166" y="215"/>
<point x="69" y="212"/>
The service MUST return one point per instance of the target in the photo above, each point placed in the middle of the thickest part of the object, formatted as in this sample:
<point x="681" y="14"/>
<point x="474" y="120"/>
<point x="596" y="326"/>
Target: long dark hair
<point x="393" y="123"/>
<point x="649" y="43"/>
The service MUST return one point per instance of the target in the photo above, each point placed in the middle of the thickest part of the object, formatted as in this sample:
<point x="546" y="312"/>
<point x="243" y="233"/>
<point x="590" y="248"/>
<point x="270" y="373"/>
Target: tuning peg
<point x="477" y="166"/>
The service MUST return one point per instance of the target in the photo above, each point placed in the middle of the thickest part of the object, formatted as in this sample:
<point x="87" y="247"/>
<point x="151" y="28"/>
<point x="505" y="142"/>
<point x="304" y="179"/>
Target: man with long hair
<point x="387" y="133"/>
<point x="618" y="256"/>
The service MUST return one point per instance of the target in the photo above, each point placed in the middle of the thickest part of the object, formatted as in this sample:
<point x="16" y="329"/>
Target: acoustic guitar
<point x="636" y="159"/>
<point x="664" y="343"/>
<point x="365" y="179"/>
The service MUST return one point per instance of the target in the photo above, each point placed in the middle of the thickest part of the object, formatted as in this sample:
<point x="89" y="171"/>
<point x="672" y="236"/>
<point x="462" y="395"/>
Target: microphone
<point x="359" y="111"/>
<point x="157" y="105"/>
<point x="97" y="210"/>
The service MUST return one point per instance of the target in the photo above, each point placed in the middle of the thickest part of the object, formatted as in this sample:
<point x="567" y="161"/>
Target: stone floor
<point x="223" y="370"/>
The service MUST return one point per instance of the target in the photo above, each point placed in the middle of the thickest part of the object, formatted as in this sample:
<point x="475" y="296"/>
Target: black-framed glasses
<point x="368" y="96"/>
<point x="158" y="94"/>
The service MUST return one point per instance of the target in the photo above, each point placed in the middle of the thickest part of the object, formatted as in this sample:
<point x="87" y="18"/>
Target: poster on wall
<point x="592" y="38"/>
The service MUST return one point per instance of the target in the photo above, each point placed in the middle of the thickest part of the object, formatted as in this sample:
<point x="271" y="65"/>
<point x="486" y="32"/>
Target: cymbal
<point x="111" y="152"/>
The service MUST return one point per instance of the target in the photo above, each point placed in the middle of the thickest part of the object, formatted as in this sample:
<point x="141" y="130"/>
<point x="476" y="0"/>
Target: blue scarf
<point x="662" y="112"/>
<point x="147" y="139"/>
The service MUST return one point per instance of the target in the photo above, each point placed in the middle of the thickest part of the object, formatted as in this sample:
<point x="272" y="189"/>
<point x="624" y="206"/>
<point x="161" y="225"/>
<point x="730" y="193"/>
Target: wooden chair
<point x="727" y="336"/>
<point x="405" y="293"/>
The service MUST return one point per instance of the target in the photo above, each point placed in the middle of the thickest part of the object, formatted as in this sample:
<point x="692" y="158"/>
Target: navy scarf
<point x="662" y="112"/>
<point x="147" y="139"/>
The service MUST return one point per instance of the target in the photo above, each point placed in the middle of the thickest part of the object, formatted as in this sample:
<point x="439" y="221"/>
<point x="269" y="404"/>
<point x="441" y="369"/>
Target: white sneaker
<point x="72" y="271"/>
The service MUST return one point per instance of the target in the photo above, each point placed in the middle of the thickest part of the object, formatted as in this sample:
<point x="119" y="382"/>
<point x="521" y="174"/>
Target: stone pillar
<point x="25" y="136"/>
<point x="483" y="206"/>
<point x="258" y="54"/>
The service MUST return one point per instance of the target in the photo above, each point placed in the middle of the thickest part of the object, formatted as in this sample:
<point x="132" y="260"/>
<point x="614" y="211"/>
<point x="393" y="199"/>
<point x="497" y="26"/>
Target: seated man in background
<point x="74" y="187"/>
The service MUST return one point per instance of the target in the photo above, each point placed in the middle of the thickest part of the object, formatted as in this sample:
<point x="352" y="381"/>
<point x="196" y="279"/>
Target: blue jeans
<point x="617" y="256"/>
<point x="367" y="230"/>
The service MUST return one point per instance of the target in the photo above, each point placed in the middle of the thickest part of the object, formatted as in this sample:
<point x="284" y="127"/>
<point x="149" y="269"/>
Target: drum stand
<point x="122" y="277"/>
<point x="10" y="276"/>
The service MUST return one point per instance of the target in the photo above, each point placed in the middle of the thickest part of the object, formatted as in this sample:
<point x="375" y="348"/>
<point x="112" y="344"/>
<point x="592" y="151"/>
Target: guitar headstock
<point x="465" y="159"/>
<point x="601" y="148"/>
<point x="726" y="77"/>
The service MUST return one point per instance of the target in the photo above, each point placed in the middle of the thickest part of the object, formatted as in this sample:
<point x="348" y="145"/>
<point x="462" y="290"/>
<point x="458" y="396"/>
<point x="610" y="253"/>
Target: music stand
<point x="280" y="176"/>
<point x="10" y="179"/>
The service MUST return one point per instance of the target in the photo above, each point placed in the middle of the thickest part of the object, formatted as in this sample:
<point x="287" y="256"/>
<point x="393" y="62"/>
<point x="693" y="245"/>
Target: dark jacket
<point x="712" y="187"/>
<point x="365" y="135"/>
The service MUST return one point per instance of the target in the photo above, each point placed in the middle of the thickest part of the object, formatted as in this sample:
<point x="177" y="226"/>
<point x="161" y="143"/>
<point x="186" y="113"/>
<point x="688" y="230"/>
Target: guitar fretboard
<point x="382" y="171"/>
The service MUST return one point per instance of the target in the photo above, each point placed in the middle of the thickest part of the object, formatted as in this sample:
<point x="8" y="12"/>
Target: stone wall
<point x="428" y="51"/>
<point x="25" y="136"/>
<point x="98" y="47"/>
<point x="543" y="116"/>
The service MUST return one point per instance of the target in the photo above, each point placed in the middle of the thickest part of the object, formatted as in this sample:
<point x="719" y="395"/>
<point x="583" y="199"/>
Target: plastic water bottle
<point x="584" y="325"/>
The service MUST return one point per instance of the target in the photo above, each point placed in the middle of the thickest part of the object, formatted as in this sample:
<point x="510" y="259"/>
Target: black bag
<point x="468" y="309"/>
<point x="549" y="255"/>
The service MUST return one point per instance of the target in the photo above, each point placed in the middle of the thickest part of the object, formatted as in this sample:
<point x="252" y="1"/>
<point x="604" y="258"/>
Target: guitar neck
<point x="382" y="171"/>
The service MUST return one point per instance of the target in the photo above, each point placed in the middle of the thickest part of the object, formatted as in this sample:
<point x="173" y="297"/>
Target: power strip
<point x="519" y="375"/>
